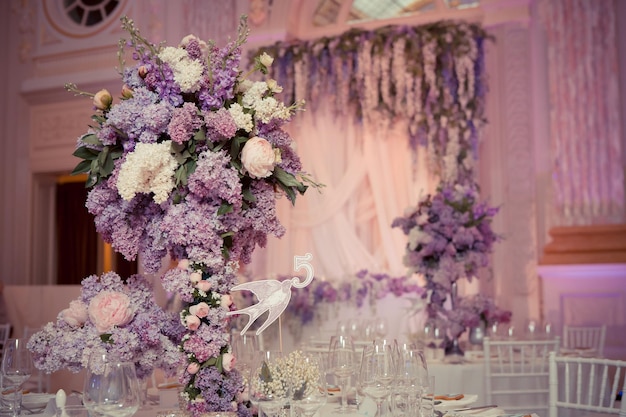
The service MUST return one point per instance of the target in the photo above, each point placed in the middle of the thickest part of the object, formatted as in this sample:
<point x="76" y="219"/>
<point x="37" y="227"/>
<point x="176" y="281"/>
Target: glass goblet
<point x="17" y="367"/>
<point x="268" y="385"/>
<point x="377" y="374"/>
<point x="309" y="391"/>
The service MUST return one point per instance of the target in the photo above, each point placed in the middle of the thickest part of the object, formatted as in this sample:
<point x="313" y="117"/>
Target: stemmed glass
<point x="309" y="391"/>
<point x="411" y="371"/>
<point x="17" y="367"/>
<point x="343" y="365"/>
<point x="269" y="386"/>
<point x="111" y="388"/>
<point x="377" y="374"/>
<point x="245" y="348"/>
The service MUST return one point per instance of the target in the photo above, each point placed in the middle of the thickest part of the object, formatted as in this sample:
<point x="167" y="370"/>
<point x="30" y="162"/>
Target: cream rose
<point x="103" y="99"/>
<point x="183" y="264"/>
<point x="266" y="59"/>
<point x="258" y="157"/>
<point x="195" y="277"/>
<point x="226" y="301"/>
<point x="109" y="309"/>
<point x="76" y="314"/>
<point x="228" y="361"/>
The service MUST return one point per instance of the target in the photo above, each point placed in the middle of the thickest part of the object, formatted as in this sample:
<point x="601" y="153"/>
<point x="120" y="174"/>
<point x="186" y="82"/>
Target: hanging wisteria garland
<point x="431" y="75"/>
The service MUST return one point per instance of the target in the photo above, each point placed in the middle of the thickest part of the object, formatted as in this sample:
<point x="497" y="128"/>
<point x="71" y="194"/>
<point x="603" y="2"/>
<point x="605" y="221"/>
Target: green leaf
<point x="266" y="375"/>
<point x="248" y="196"/>
<point x="91" y="139"/>
<point x="291" y="195"/>
<point x="225" y="208"/>
<point x="200" y="135"/>
<point x="286" y="178"/>
<point x="236" y="145"/>
<point x="86" y="153"/>
<point x="227" y="234"/>
<point x="106" y="338"/>
<point x="178" y="147"/>
<point x="83" y="166"/>
<point x="218" y="363"/>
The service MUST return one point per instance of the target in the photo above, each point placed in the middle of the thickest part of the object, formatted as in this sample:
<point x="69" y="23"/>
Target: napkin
<point x="490" y="412"/>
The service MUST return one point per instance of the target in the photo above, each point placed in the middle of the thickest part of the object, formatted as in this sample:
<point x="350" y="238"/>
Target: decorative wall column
<point x="507" y="169"/>
<point x="588" y="172"/>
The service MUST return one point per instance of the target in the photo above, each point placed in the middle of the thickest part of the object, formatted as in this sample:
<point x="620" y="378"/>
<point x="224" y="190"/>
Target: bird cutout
<point x="273" y="295"/>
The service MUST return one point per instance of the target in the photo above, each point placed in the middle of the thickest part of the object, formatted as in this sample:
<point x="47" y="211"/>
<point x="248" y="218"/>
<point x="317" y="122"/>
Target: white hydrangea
<point x="187" y="71"/>
<point x="242" y="120"/>
<point x="149" y="168"/>
<point x="254" y="94"/>
<point x="270" y="108"/>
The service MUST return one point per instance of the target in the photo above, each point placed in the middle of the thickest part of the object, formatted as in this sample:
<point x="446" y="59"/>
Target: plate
<point x="453" y="404"/>
<point x="35" y="400"/>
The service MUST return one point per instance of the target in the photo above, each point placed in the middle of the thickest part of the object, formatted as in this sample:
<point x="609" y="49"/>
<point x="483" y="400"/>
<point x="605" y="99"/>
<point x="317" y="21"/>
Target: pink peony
<point x="193" y="322"/>
<point x="258" y="157"/>
<point x="76" y="314"/>
<point x="228" y="361"/>
<point x="200" y="310"/>
<point x="109" y="309"/>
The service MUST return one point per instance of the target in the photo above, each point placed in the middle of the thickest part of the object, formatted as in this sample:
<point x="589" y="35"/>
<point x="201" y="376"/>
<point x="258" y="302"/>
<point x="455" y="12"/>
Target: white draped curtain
<point x="371" y="176"/>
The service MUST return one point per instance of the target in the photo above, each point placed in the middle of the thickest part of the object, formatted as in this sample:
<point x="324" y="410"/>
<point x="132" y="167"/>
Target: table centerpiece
<point x="188" y="164"/>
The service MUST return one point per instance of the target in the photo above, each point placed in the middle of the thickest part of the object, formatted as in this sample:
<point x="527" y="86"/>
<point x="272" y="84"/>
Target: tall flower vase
<point x="453" y="351"/>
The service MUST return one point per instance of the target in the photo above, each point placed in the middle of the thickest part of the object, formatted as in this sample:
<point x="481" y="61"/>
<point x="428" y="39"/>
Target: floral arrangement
<point x="363" y="287"/>
<point x="480" y="310"/>
<point x="431" y="75"/>
<point x="189" y="164"/>
<point x="449" y="237"/>
<point x="111" y="317"/>
<point x="291" y="371"/>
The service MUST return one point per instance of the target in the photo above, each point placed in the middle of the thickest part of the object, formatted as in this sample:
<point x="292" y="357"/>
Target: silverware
<point x="482" y="407"/>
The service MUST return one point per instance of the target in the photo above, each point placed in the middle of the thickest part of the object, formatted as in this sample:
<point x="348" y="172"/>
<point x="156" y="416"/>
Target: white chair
<point x="516" y="373"/>
<point x="586" y="384"/>
<point x="584" y="340"/>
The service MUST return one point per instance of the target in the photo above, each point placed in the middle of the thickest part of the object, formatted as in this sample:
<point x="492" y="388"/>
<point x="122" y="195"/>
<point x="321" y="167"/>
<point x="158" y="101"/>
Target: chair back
<point x="584" y="340"/>
<point x="589" y="384"/>
<point x="516" y="372"/>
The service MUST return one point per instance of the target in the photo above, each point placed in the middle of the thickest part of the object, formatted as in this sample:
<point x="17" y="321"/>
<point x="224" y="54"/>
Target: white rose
<point x="258" y="157"/>
<point x="266" y="59"/>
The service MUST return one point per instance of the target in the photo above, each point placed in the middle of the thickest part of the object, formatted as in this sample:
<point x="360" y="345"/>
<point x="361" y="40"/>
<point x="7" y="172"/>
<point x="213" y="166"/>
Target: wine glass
<point x="411" y="370"/>
<point x="111" y="389"/>
<point x="377" y="374"/>
<point x="269" y="387"/>
<point x="17" y="367"/>
<point x="343" y="364"/>
<point x="309" y="391"/>
<point x="245" y="348"/>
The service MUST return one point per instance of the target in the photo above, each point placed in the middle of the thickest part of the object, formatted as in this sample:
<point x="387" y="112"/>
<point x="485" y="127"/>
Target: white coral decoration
<point x="149" y="168"/>
<point x="187" y="71"/>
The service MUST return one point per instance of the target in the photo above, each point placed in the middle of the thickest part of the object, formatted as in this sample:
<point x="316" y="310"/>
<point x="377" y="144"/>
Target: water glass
<point x="269" y="387"/>
<point x="17" y="367"/>
<point x="309" y="391"/>
<point x="343" y="365"/>
<point x="111" y="390"/>
<point x="427" y="404"/>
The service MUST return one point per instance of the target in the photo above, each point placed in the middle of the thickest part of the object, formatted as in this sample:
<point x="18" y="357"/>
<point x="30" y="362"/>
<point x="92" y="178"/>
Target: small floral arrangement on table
<point x="479" y="310"/>
<point x="449" y="237"/>
<point x="289" y="372"/>
<point x="189" y="164"/>
<point x="111" y="317"/>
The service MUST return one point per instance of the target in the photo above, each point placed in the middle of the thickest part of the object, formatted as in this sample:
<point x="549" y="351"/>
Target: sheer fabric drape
<point x="371" y="176"/>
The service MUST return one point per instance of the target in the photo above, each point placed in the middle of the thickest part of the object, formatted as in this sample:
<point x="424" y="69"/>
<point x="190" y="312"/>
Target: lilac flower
<point x="184" y="123"/>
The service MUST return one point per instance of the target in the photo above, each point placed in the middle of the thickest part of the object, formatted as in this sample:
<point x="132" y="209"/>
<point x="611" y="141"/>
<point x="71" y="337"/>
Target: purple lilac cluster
<point x="363" y="287"/>
<point x="148" y="336"/>
<point x="181" y="167"/>
<point x="480" y="309"/>
<point x="450" y="237"/>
